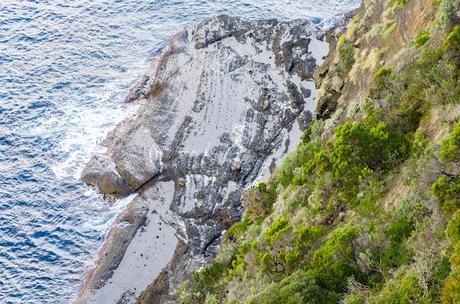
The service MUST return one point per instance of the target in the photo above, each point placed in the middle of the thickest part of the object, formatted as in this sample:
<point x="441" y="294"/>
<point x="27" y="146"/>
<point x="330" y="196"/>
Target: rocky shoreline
<point x="218" y="108"/>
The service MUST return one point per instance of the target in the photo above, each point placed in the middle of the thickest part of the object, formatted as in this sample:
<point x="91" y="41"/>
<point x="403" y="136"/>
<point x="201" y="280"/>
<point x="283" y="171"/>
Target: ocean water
<point x="65" y="67"/>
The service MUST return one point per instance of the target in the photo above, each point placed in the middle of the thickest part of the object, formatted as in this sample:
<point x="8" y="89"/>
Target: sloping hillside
<point x="366" y="209"/>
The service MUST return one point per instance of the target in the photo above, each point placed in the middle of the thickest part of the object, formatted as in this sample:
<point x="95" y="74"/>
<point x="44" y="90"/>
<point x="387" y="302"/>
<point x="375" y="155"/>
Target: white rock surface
<point x="221" y="104"/>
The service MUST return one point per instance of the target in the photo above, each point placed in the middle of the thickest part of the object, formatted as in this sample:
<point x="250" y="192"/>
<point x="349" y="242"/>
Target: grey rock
<point x="221" y="104"/>
<point x="101" y="173"/>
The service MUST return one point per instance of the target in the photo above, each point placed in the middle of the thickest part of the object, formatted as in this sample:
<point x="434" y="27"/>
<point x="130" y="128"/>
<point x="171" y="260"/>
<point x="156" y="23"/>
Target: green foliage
<point x="431" y="79"/>
<point x="360" y="149"/>
<point x="238" y="229"/>
<point x="333" y="263"/>
<point x="207" y="277"/>
<point x="450" y="293"/>
<point x="306" y="154"/>
<point x="401" y="290"/>
<point x="399" y="229"/>
<point x="422" y="38"/>
<point x="450" y="149"/>
<point x="305" y="236"/>
<point x="279" y="227"/>
<point x="399" y="2"/>
<point x="258" y="204"/>
<point x="447" y="191"/>
<point x="299" y="287"/>
<point x="453" y="39"/>
<point x="266" y="262"/>
<point x="346" y="51"/>
<point x="354" y="299"/>
<point x="211" y="299"/>
<point x="381" y="76"/>
<point x="453" y="228"/>
<point x="445" y="13"/>
<point x="397" y="253"/>
<point x="389" y="28"/>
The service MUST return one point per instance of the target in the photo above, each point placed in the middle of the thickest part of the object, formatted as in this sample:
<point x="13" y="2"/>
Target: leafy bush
<point x="451" y="290"/>
<point x="453" y="228"/>
<point x="258" y="204"/>
<point x="400" y="229"/>
<point x="399" y="2"/>
<point x="453" y="39"/>
<point x="359" y="149"/>
<point x="304" y="155"/>
<point x="397" y="253"/>
<point x="447" y="191"/>
<point x="238" y="229"/>
<point x="401" y="290"/>
<point x="299" y="287"/>
<point x="381" y="76"/>
<point x="450" y="149"/>
<point x="306" y="235"/>
<point x="422" y="38"/>
<point x="354" y="299"/>
<point x="445" y="13"/>
<point x="279" y="227"/>
<point x="346" y="51"/>
<point x="333" y="263"/>
<point x="207" y="277"/>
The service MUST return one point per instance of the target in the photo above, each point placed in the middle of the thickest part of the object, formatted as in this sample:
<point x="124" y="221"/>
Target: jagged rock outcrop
<point x="218" y="108"/>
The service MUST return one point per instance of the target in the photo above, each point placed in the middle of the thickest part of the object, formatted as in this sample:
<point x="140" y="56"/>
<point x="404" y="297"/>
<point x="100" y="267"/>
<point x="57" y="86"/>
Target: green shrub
<point x="262" y="187"/>
<point x="450" y="293"/>
<point x="453" y="228"/>
<point x="450" y="149"/>
<point x="333" y="263"/>
<point x="422" y="38"/>
<point x="389" y="28"/>
<point x="299" y="287"/>
<point x="258" y="204"/>
<point x="397" y="253"/>
<point x="305" y="236"/>
<point x="400" y="229"/>
<point x="238" y="229"/>
<point x="359" y="149"/>
<point x="266" y="262"/>
<point x="304" y="156"/>
<point x="453" y="39"/>
<point x="381" y="76"/>
<point x="445" y="13"/>
<point x="211" y="299"/>
<point x="279" y="227"/>
<point x="399" y="2"/>
<point x="346" y="51"/>
<point x="401" y="290"/>
<point x="447" y="191"/>
<point x="354" y="299"/>
<point x="204" y="282"/>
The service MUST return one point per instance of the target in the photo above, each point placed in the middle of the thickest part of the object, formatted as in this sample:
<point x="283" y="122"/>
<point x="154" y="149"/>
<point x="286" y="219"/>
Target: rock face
<point x="218" y="108"/>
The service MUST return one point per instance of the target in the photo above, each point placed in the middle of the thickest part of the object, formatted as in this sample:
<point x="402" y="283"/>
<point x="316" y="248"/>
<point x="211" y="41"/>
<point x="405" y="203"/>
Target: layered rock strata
<point x="218" y="108"/>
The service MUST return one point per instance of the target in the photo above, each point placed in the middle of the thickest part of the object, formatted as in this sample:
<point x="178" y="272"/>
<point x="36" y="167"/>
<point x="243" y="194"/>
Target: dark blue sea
<point x="65" y="67"/>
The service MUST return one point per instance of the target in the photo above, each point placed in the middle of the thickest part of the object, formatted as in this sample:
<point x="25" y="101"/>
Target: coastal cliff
<point x="221" y="104"/>
<point x="363" y="209"/>
<point x="366" y="208"/>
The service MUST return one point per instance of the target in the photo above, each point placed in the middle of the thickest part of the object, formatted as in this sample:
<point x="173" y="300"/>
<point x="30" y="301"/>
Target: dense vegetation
<point x="369" y="213"/>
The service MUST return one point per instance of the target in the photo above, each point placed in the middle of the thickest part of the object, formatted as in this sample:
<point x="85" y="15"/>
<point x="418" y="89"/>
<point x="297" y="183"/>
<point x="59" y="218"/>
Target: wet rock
<point x="101" y="173"/>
